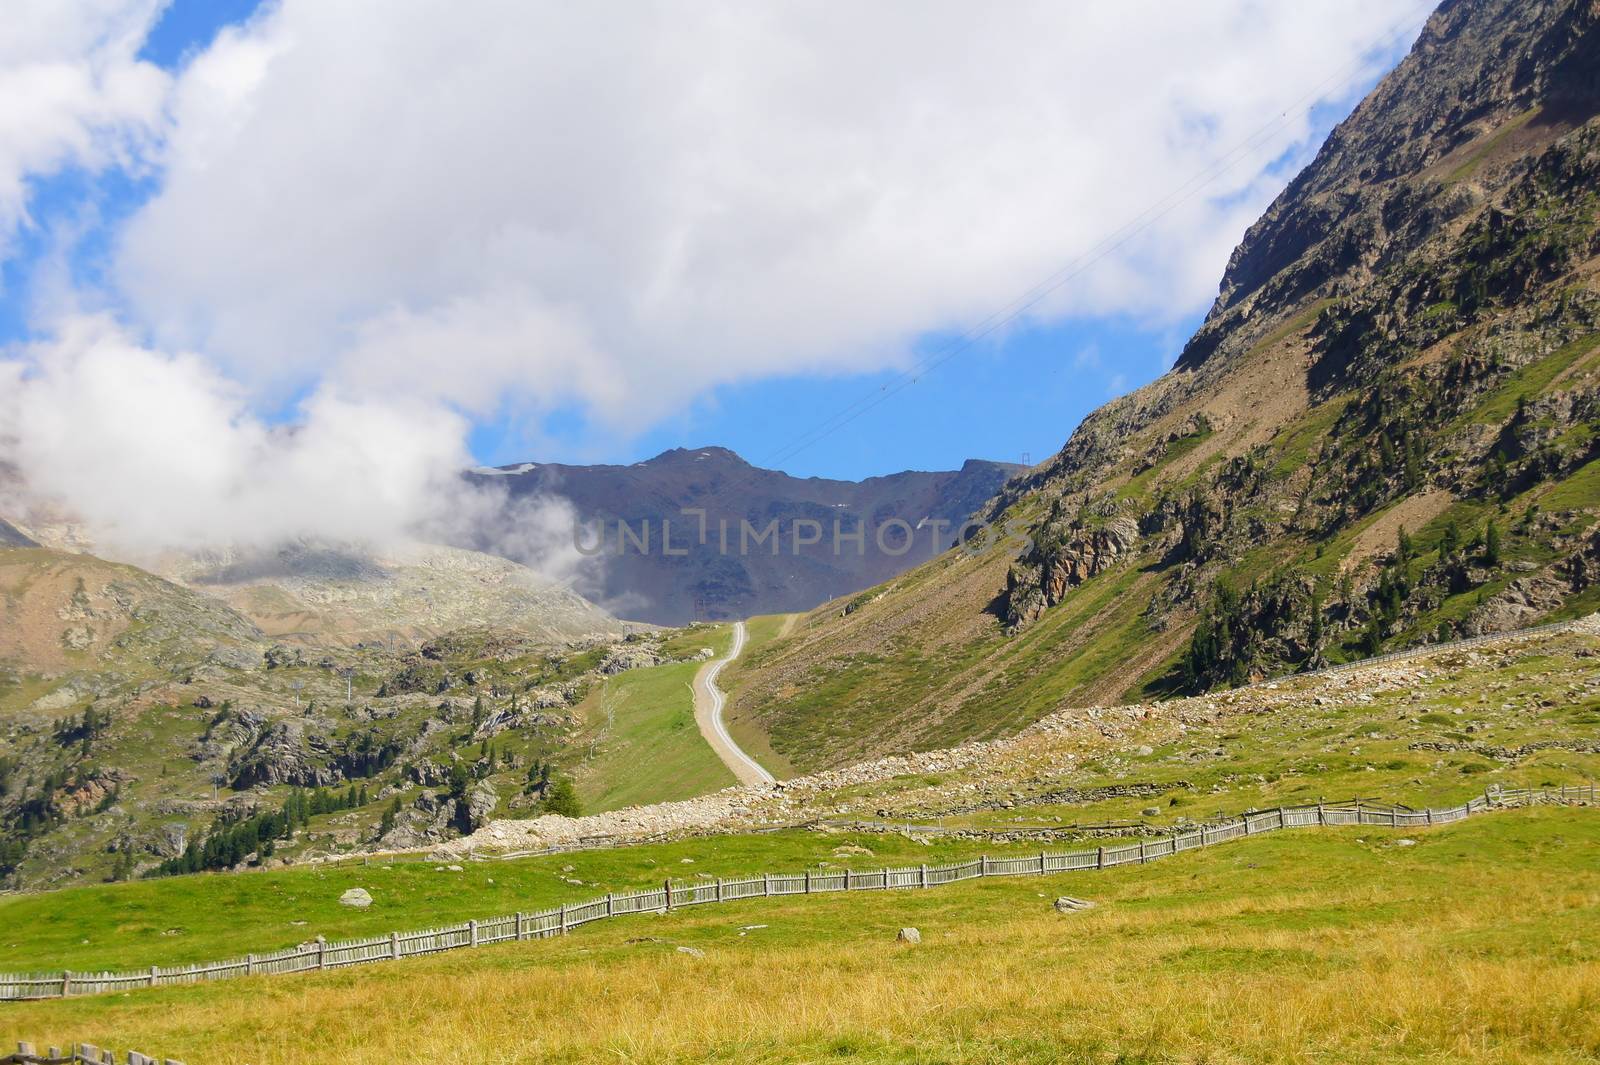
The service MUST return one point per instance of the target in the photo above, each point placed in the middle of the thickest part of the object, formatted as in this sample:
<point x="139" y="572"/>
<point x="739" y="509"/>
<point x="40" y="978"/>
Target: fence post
<point x="1141" y="852"/>
<point x="719" y="891"/>
<point x="249" y="964"/>
<point x="808" y="881"/>
<point x="322" y="950"/>
<point x="394" y="946"/>
<point x="519" y="926"/>
<point x="152" y="976"/>
<point x="1281" y="823"/>
<point x="1322" y="818"/>
<point x="1041" y="863"/>
<point x="472" y="933"/>
<point x="667" y="887"/>
<point x="66" y="982"/>
<point x="609" y="909"/>
<point x="564" y="917"/>
<point x="983" y="865"/>
<point x="1099" y="857"/>
<point x="1427" y="812"/>
<point x="922" y="875"/>
<point x="846" y="878"/>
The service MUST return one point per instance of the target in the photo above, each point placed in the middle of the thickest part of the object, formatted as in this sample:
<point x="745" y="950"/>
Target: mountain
<point x="11" y="536"/>
<point x="741" y="574"/>
<point x="1383" y="434"/>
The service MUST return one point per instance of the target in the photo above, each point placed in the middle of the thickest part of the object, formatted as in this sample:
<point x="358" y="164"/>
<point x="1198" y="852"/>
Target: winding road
<point x="708" y="703"/>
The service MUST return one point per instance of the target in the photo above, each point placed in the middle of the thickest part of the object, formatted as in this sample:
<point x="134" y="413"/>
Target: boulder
<point x="357" y="897"/>
<point x="909" y="935"/>
<point x="1068" y="904"/>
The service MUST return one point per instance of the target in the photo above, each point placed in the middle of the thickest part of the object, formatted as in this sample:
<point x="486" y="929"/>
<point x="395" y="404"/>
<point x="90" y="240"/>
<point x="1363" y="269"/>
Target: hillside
<point x="707" y="581"/>
<point x="1327" y="944"/>
<point x="143" y="723"/>
<point x="1384" y="433"/>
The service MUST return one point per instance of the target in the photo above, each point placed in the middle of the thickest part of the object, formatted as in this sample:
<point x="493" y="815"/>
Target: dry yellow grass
<point x="1326" y="947"/>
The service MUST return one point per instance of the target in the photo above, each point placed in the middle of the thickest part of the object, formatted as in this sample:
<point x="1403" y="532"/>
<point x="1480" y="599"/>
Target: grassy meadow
<point x="645" y="745"/>
<point x="1480" y="942"/>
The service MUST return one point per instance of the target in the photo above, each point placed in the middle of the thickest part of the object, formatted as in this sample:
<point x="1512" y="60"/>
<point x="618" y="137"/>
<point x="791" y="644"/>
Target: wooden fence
<point x="82" y="1054"/>
<point x="322" y="954"/>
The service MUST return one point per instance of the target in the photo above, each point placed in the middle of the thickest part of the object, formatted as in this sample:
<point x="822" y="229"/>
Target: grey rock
<point x="357" y="897"/>
<point x="428" y="773"/>
<point x="622" y="659"/>
<point x="481" y="801"/>
<point x="909" y="935"/>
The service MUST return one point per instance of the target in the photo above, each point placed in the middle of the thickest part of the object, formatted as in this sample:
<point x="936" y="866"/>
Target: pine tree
<point x="1491" y="544"/>
<point x="1449" y="540"/>
<point x="562" y="798"/>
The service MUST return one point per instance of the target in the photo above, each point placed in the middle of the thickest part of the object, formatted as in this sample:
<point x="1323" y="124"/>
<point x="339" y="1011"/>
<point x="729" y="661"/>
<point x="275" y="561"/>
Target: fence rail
<point x="322" y="954"/>
<point x="81" y="1054"/>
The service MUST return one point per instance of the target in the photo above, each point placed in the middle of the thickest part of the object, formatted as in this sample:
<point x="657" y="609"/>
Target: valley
<point x="1341" y="555"/>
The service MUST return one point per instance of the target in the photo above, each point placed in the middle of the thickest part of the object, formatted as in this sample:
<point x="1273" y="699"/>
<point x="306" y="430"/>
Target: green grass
<point x="1479" y="943"/>
<point x="217" y="915"/>
<point x="1529" y="380"/>
<point x="651" y="750"/>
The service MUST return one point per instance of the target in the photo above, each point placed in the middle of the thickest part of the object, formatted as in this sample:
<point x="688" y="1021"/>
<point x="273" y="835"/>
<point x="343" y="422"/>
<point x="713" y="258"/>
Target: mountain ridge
<point x="711" y="582"/>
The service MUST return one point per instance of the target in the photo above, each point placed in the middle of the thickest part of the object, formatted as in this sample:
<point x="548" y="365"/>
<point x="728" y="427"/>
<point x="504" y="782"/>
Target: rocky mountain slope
<point x="1384" y="433"/>
<point x="645" y="582"/>
<point x="146" y="727"/>
<point x="341" y="594"/>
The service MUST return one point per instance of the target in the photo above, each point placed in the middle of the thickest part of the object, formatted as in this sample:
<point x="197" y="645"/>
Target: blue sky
<point x="539" y="258"/>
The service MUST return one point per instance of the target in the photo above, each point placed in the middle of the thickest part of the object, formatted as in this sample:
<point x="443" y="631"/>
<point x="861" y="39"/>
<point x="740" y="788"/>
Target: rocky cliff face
<point x="1437" y="247"/>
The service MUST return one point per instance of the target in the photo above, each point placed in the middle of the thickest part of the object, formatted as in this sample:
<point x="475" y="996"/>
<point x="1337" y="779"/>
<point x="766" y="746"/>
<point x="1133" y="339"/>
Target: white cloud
<point x="411" y="213"/>
<point x="152" y="450"/>
<point x="624" y="206"/>
<point x="72" y="93"/>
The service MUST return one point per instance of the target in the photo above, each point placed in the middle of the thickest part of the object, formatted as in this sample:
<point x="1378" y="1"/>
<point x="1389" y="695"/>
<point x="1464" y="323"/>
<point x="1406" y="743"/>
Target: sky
<point x="282" y="269"/>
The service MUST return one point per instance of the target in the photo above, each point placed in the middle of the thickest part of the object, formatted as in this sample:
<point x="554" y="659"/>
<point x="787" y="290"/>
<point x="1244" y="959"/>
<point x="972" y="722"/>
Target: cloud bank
<point x="399" y="217"/>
